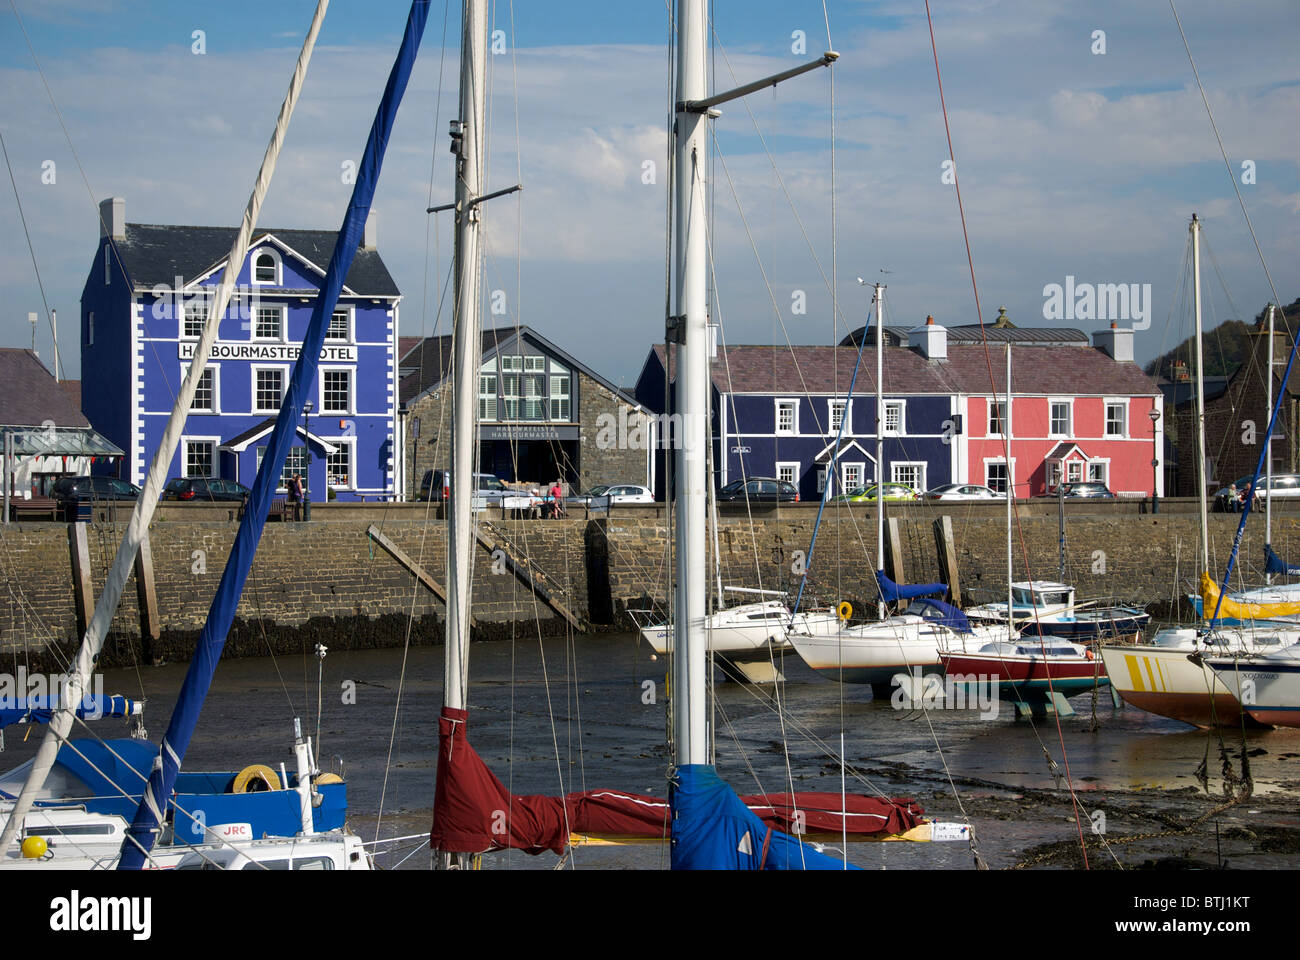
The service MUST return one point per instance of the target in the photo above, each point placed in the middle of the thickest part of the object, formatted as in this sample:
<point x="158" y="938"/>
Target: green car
<point x="892" y="491"/>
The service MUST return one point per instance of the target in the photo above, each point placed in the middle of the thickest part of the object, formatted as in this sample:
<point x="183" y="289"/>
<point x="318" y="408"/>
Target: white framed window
<point x="1099" y="471"/>
<point x="487" y="395"/>
<point x="1074" y="471"/>
<point x="269" y="384"/>
<point x="266" y="266"/>
<point x="340" y="465"/>
<point x="297" y="461"/>
<point x="788" y="471"/>
<point x="534" y="364"/>
<point x="534" y="385"/>
<point x="1060" y="418"/>
<point x="200" y="456"/>
<point x="821" y="479"/>
<point x="207" y="398"/>
<point x="995" y="475"/>
<point x="195" y="311"/>
<point x="340" y="328"/>
<point x="997" y="417"/>
<point x="787" y="417"/>
<point x="268" y="324"/>
<point x="853" y="475"/>
<point x="560" y="400"/>
<point x="895" y="416"/>
<point x="909" y="474"/>
<point x="1117" y="418"/>
<point x="337" y="390"/>
<point x="836" y="418"/>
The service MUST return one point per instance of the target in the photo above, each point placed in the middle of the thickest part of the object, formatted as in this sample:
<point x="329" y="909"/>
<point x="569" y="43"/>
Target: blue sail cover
<point x="714" y="830"/>
<point x="143" y="831"/>
<point x="891" y="592"/>
<point x="41" y="709"/>
<point x="1275" y="564"/>
<point x="940" y="612"/>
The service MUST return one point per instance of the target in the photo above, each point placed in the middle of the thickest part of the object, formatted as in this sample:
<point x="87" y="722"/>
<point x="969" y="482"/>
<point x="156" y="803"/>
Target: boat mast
<point x="467" y="137"/>
<point x="690" y="714"/>
<point x="1200" y="395"/>
<point x="1268" y="441"/>
<point x="879" y="300"/>
<point x="1011" y="493"/>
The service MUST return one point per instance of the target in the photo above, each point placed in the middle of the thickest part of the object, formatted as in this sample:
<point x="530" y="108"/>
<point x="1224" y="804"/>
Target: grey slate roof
<point x="970" y="333"/>
<point x="156" y="254"/>
<point x="427" y="365"/>
<point x="29" y="394"/>
<point x="1068" y="370"/>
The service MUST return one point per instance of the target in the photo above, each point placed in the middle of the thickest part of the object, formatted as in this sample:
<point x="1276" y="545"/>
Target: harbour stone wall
<point x="327" y="581"/>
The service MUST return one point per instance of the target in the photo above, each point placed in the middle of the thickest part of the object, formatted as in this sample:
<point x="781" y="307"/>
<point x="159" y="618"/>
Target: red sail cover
<point x="473" y="812"/>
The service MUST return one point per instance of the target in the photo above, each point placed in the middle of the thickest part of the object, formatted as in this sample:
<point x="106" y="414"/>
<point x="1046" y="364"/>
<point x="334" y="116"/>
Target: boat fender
<point x="254" y="778"/>
<point x="1087" y="652"/>
<point x="845" y="610"/>
<point x="34" y="848"/>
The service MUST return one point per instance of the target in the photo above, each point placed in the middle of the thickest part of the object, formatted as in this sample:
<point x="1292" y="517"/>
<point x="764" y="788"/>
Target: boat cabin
<point x="1040" y="594"/>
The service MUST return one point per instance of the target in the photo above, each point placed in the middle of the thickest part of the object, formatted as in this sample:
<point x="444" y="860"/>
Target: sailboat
<point x="1266" y="685"/>
<point x="708" y="825"/>
<point x="1169" y="675"/>
<point x="902" y="644"/>
<point x="198" y="813"/>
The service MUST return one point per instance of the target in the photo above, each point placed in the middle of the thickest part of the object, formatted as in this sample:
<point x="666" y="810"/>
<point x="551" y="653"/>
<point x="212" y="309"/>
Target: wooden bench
<point x="35" y="508"/>
<point x="279" y="509"/>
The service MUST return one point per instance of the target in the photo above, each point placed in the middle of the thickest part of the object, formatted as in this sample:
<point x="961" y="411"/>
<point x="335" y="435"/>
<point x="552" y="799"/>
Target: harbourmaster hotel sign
<point x="266" y="351"/>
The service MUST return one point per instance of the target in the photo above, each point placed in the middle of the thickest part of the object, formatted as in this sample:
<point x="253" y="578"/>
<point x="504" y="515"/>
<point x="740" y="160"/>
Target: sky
<point x="1079" y="154"/>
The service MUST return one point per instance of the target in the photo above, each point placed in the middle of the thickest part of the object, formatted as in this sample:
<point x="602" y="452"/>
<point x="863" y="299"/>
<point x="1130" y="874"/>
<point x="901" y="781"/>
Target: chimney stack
<point x="1116" y="343"/>
<point x="930" y="340"/>
<point x="112" y="218"/>
<point x="370" y="241"/>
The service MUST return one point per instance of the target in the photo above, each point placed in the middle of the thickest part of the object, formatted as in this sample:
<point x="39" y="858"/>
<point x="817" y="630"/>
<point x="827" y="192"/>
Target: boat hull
<point x="1163" y="681"/>
<point x="745" y="632"/>
<point x="1028" y="678"/>
<point x="1273" y="695"/>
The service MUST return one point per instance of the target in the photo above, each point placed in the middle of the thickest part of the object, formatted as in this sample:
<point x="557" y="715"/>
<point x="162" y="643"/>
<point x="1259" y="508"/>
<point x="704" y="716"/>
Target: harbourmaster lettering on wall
<point x="267" y="351"/>
<point x="527" y="431"/>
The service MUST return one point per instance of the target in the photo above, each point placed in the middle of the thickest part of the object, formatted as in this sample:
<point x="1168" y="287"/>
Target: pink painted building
<point x="1078" y="413"/>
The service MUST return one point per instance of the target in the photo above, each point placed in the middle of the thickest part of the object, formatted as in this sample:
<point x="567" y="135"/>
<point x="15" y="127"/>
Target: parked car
<point x="889" y="491"/>
<point x="436" y="485"/>
<point x="74" y="494"/>
<point x="1090" y="489"/>
<point x="604" y="494"/>
<point x="203" y="489"/>
<point x="963" y="491"/>
<point x="759" y="490"/>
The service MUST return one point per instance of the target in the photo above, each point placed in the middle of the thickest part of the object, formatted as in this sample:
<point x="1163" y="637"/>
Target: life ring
<point x="844" y="610"/>
<point x="255" y="778"/>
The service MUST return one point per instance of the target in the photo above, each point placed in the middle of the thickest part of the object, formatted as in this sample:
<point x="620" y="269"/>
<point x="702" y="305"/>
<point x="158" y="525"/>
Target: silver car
<point x="962" y="491"/>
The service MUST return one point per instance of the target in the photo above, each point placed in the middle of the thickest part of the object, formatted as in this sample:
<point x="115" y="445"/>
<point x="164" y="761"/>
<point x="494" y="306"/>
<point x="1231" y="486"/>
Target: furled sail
<point x="42" y="709"/>
<point x="1275" y="564"/>
<point x="891" y="592"/>
<point x="473" y="812"/>
<point x="1225" y="608"/>
<point x="221" y="615"/>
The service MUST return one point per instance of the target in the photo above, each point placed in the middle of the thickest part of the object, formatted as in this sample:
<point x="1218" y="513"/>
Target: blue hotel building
<point x="143" y="307"/>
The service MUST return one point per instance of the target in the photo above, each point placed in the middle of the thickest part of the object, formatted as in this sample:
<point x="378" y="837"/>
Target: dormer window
<point x="266" y="267"/>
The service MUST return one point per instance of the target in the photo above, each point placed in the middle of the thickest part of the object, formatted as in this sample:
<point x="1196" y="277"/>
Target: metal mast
<point x="1200" y="395"/>
<point x="467" y="143"/>
<point x="879" y="300"/>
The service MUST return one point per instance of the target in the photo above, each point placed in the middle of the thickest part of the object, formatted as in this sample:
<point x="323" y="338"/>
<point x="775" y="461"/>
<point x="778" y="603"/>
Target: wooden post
<point x="83" y="595"/>
<point x="893" y="552"/>
<point x="146" y="596"/>
<point x="944" y="546"/>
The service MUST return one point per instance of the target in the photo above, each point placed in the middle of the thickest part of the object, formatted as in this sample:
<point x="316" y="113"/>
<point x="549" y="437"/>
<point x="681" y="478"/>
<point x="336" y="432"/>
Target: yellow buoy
<point x="328" y="778"/>
<point x="34" y="848"/>
<point x="845" y="610"/>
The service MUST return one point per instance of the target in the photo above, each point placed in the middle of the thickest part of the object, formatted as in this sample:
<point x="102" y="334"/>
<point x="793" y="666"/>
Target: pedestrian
<point x="1234" y="498"/>
<point x="556" y="493"/>
<point x="295" y="496"/>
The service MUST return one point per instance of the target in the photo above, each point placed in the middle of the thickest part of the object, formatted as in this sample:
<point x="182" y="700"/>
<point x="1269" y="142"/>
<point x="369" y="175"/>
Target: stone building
<point x="1237" y="416"/>
<point x="542" y="415"/>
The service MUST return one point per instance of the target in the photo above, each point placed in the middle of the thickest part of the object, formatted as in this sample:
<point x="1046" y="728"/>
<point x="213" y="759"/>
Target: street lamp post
<point x="1154" y="414"/>
<point x="306" y="490"/>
